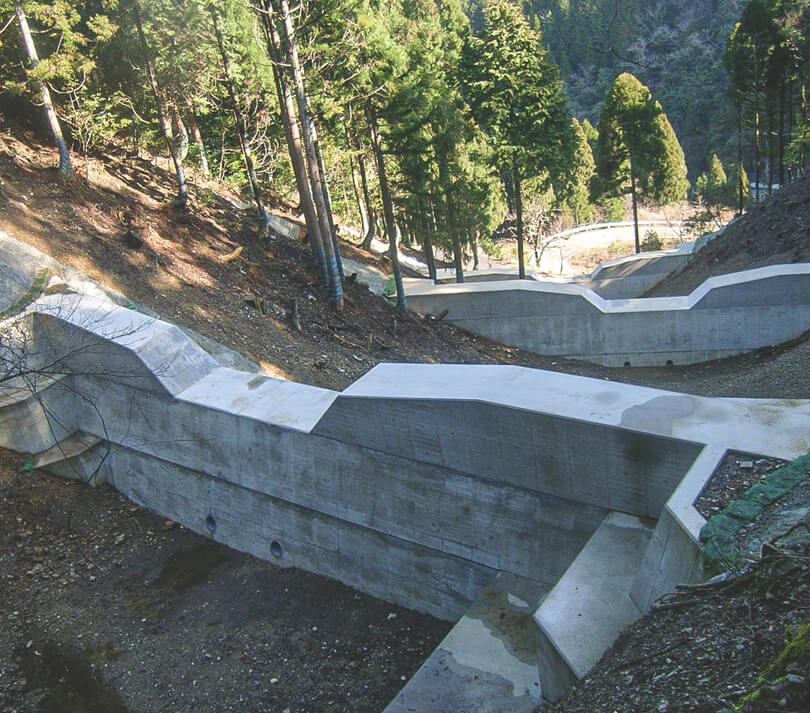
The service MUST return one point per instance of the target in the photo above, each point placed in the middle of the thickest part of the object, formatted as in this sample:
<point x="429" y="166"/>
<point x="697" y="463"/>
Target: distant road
<point x="560" y="247"/>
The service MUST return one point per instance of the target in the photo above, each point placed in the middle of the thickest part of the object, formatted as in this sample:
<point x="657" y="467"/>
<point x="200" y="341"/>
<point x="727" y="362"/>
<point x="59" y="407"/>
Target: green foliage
<point x="651" y="241"/>
<point x="516" y="95"/>
<point x="613" y="210"/>
<point x="637" y="147"/>
<point x="578" y="203"/>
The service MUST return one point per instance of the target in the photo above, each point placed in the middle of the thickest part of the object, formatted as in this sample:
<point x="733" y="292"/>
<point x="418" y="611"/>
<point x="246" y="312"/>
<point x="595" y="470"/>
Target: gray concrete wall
<point x="727" y="315"/>
<point x="418" y="484"/>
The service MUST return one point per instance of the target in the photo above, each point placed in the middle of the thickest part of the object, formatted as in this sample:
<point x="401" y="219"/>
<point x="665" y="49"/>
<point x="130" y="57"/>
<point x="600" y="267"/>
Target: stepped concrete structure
<point x="621" y="278"/>
<point x="483" y="494"/>
<point x="726" y="315"/>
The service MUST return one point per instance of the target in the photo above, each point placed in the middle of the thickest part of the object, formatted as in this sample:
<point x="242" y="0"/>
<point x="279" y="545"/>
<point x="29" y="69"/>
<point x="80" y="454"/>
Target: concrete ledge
<point x="591" y="604"/>
<point x="155" y="355"/>
<point x="27" y="422"/>
<point x="77" y="457"/>
<point x="727" y="315"/>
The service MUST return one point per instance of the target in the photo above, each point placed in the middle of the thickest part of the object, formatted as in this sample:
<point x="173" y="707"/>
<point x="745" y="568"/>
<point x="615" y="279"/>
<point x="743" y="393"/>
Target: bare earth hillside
<point x="774" y="232"/>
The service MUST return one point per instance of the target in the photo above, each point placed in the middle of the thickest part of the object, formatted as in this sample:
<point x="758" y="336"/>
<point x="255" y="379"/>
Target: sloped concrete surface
<point x="591" y="604"/>
<point x="486" y="664"/>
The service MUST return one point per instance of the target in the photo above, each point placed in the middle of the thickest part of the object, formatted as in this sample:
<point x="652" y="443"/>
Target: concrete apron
<point x="418" y="484"/>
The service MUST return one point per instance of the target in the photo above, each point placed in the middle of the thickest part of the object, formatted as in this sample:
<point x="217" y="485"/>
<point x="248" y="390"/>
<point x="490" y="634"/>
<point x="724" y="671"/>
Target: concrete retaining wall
<point x="417" y="484"/>
<point x="727" y="315"/>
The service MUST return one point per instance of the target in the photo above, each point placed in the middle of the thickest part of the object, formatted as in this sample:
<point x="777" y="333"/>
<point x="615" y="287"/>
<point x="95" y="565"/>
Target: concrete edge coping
<point x="681" y="503"/>
<point x="277" y="402"/>
<point x="143" y="336"/>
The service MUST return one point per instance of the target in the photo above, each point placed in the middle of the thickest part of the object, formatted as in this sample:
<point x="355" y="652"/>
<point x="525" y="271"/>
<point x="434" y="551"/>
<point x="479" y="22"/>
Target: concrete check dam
<point x="469" y="492"/>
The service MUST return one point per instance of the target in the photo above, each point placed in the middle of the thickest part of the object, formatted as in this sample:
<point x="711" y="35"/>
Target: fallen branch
<point x="295" y="316"/>
<point x="230" y="257"/>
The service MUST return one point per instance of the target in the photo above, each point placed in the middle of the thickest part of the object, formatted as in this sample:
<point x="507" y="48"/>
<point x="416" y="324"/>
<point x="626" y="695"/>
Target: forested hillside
<point x="675" y="48"/>
<point x="432" y="122"/>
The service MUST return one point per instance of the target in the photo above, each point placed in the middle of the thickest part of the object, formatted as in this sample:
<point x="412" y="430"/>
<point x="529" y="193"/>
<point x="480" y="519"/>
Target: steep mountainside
<point x="676" y="49"/>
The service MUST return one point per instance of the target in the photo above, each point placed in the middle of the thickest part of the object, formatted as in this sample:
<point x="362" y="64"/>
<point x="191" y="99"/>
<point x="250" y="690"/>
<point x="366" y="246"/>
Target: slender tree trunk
<point x="770" y="151"/>
<point x="165" y="124"/>
<point x="358" y="197"/>
<point x="372" y="214"/>
<point x="757" y="172"/>
<point x="740" y="185"/>
<point x="182" y="134"/>
<point x="388" y="211"/>
<point x="782" y="131"/>
<point x="634" y="195"/>
<point x="198" y="139"/>
<point x="292" y="133"/>
<point x="358" y="191"/>
<point x="240" y="124"/>
<point x="326" y="193"/>
<point x="321" y="205"/>
<point x="427" y="242"/>
<point x="519" y="214"/>
<point x="65" y="166"/>
<point x="452" y="223"/>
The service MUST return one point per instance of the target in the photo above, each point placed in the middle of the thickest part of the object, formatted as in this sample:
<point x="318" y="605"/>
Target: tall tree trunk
<point x="326" y="194"/>
<point x="452" y="224"/>
<point x="182" y="134"/>
<point x="770" y="150"/>
<point x="634" y="195"/>
<point x="165" y="124"/>
<point x="782" y="131"/>
<point x="388" y="211"/>
<point x="240" y="125"/>
<point x="293" y="135"/>
<point x="65" y="166"/>
<point x="427" y="243"/>
<point x="321" y="205"/>
<point x="372" y="214"/>
<point x="740" y="184"/>
<point x="519" y="215"/>
<point x="358" y="191"/>
<point x="198" y="139"/>
<point x="757" y="172"/>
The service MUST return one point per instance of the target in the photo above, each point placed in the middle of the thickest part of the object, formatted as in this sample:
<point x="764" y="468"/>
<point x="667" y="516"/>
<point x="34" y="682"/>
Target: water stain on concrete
<point x="658" y="414"/>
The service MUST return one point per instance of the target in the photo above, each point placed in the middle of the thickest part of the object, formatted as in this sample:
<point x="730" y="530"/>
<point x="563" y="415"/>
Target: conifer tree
<point x="638" y="152"/>
<point x="65" y="166"/>
<point x="516" y="95"/>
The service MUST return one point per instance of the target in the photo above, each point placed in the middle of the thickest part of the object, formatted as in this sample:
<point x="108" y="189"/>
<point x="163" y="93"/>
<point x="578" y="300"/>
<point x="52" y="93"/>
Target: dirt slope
<point x="773" y="232"/>
<point x="179" y="273"/>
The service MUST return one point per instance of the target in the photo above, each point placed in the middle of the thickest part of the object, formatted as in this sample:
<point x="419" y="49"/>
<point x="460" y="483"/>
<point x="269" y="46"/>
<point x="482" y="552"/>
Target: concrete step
<point x="26" y="422"/>
<point x="487" y="663"/>
<point x="78" y="457"/>
<point x="590" y="605"/>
